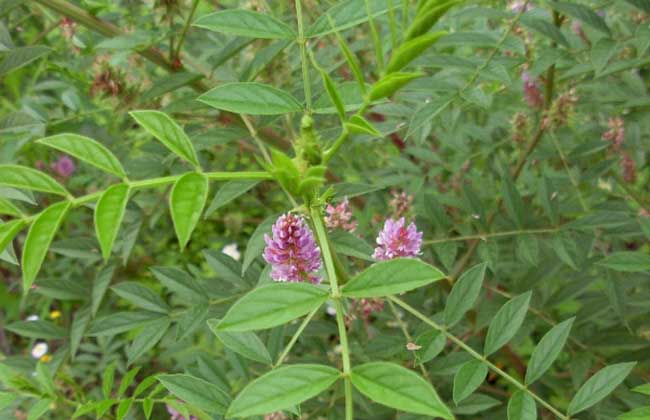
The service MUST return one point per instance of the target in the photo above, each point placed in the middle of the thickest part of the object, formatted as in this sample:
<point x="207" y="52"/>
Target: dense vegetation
<point x="370" y="209"/>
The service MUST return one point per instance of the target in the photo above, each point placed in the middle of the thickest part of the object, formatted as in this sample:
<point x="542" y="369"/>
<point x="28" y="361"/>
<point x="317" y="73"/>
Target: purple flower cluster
<point x="63" y="166"/>
<point x="398" y="240"/>
<point x="340" y="216"/>
<point x="292" y="251"/>
<point x="532" y="91"/>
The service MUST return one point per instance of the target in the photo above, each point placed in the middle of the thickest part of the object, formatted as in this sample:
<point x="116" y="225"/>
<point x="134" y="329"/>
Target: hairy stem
<point x="460" y="343"/>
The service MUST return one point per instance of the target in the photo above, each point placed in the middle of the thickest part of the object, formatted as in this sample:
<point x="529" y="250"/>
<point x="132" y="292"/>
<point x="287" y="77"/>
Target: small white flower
<point x="32" y="318"/>
<point x="232" y="251"/>
<point x="331" y="311"/>
<point x="39" y="350"/>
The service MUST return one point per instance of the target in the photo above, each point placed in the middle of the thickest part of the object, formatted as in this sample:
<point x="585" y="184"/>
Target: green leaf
<point x="642" y="389"/>
<point x="20" y="57"/>
<point x="196" y="392"/>
<point x="100" y="285"/>
<point x="412" y="49"/>
<point x="347" y="243"/>
<point x="147" y="407"/>
<point x="641" y="413"/>
<point x="141" y="296"/>
<point x="123" y="408"/>
<point x="39" y="409"/>
<point x="545" y="28"/>
<point x="346" y="14"/>
<point x="583" y="14"/>
<point x="512" y="200"/>
<point x="521" y="406"/>
<point x="599" y="386"/>
<point x="506" y="323"/>
<point x="147" y="338"/>
<point x="122" y="321"/>
<point x="432" y="343"/>
<point x="527" y="249"/>
<point x="108" y="380"/>
<point x="296" y="383"/>
<point x="548" y="350"/>
<point x="108" y="216"/>
<point x="627" y="261"/>
<point x="333" y="94"/>
<point x="228" y="192"/>
<point x="37" y="329"/>
<point x="352" y="62"/>
<point x="271" y="305"/>
<point x="601" y="52"/>
<point x="391" y="83"/>
<point x="246" y="23"/>
<point x="78" y="328"/>
<point x="247" y="343"/>
<point x="400" y="388"/>
<point x="38" y="240"/>
<point x="30" y="179"/>
<point x="427" y="16"/>
<point x="464" y="294"/>
<point x="392" y="277"/>
<point x="6" y="399"/>
<point x="86" y="149"/>
<point x="178" y="281"/>
<point x="8" y="208"/>
<point x="127" y="380"/>
<point x="640" y="4"/>
<point x="186" y="203"/>
<point x="251" y="98"/>
<point x="162" y="127"/>
<point x="8" y="232"/>
<point x="358" y="124"/>
<point x="468" y="378"/>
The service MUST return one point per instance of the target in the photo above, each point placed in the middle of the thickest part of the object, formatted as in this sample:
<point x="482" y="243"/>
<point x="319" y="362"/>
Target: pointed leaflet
<point x="346" y="14"/>
<point x="30" y="179"/>
<point x="468" y="378"/>
<point x="271" y="305"/>
<point x="599" y="386"/>
<point x="196" y="392"/>
<point x="162" y="127"/>
<point x="506" y="323"/>
<point x="281" y="389"/>
<point x="411" y="50"/>
<point x="86" y="149"/>
<point x="141" y="296"/>
<point x="522" y="407"/>
<point x="108" y="216"/>
<point x="627" y="261"/>
<point x="8" y="232"/>
<point x="391" y="83"/>
<point x="38" y="240"/>
<point x="392" y="277"/>
<point x="464" y="294"/>
<point x="246" y="23"/>
<point x="186" y="203"/>
<point x="8" y="208"/>
<point x="245" y="343"/>
<point x="147" y="338"/>
<point x="256" y="243"/>
<point x="251" y="98"/>
<point x="547" y="350"/>
<point x="19" y="57"/>
<point x="120" y="322"/>
<point x="228" y="192"/>
<point x="397" y="387"/>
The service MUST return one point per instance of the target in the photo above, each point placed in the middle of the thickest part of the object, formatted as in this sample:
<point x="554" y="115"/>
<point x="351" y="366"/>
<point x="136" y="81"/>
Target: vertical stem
<point x="195" y="4"/>
<point x="375" y="39"/>
<point x="302" y="43"/>
<point x="323" y="241"/>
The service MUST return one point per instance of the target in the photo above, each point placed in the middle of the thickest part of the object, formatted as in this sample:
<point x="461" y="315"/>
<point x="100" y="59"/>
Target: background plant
<point x="512" y="134"/>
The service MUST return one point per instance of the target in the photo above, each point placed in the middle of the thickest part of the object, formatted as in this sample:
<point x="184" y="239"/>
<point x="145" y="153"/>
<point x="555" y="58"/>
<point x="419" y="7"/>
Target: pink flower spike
<point x="292" y="250"/>
<point x="340" y="216"/>
<point x="397" y="240"/>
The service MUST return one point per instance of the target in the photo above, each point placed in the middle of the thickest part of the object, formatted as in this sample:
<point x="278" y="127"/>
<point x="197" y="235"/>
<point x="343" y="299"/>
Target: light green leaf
<point x="251" y="98"/>
<point x="246" y="343"/>
<point x="86" y="149"/>
<point x="506" y="323"/>
<point x="8" y="208"/>
<point x="468" y="378"/>
<point x="108" y="216"/>
<point x="464" y="294"/>
<point x="141" y="296"/>
<point x="599" y="386"/>
<point x="333" y="93"/>
<point x="295" y="383"/>
<point x="358" y="124"/>
<point x="391" y="83"/>
<point x="392" y="277"/>
<point x="30" y="179"/>
<point x="410" y="50"/>
<point x="38" y="240"/>
<point x="427" y="16"/>
<point x="39" y="409"/>
<point x="642" y="389"/>
<point x="641" y="413"/>
<point x="19" y="57"/>
<point x="147" y="338"/>
<point x="271" y="305"/>
<point x="127" y="380"/>
<point x="397" y="387"/>
<point x="123" y="408"/>
<point x="196" y="392"/>
<point x="547" y="350"/>
<point x="108" y="380"/>
<point x="162" y="127"/>
<point x="627" y="261"/>
<point x="522" y="407"/>
<point x="8" y="232"/>
<point x="246" y="23"/>
<point x="186" y="203"/>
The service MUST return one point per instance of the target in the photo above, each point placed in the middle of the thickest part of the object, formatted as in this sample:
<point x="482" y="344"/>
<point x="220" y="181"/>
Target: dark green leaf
<point x="196" y="392"/>
<point x="521" y="406"/>
<point x="547" y="350"/>
<point x="251" y="98"/>
<point x="468" y="378"/>
<point x="245" y="343"/>
<point x="464" y="294"/>
<point x="506" y="323"/>
<point x="599" y="386"/>
<point x="140" y="296"/>
<point x="246" y="23"/>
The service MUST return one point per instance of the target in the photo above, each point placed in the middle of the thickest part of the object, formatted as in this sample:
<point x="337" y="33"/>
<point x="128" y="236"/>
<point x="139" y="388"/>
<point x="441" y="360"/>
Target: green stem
<point x="329" y="153"/>
<point x="195" y="4"/>
<point x="295" y="337"/>
<point x="375" y="39"/>
<point x="302" y="43"/>
<point x="321" y="234"/>
<point x="460" y="343"/>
